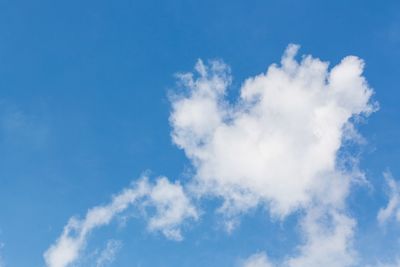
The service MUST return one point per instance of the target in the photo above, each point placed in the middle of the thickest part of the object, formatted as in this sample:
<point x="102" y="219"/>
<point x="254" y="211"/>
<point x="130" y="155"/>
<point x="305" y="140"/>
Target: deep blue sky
<point x="84" y="109"/>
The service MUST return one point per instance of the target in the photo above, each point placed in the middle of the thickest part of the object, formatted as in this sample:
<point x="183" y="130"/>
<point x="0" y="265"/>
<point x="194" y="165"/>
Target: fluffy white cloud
<point x="172" y="208"/>
<point x="278" y="143"/>
<point x="393" y="207"/>
<point x="171" y="204"/>
<point x="328" y="240"/>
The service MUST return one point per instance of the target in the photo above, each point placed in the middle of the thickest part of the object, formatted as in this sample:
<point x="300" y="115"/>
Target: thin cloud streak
<point x="171" y="204"/>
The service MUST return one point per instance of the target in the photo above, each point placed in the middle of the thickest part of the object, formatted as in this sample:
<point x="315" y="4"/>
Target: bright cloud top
<point x="279" y="143"/>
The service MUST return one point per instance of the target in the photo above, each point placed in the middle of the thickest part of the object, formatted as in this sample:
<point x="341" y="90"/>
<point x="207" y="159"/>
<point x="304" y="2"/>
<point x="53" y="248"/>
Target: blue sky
<point x="88" y="95"/>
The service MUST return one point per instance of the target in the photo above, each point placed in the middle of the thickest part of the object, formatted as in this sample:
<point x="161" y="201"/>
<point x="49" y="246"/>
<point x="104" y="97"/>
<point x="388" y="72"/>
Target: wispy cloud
<point x="107" y="255"/>
<point x="258" y="260"/>
<point x="19" y="126"/>
<point x="171" y="204"/>
<point x="393" y="207"/>
<point x="2" y="264"/>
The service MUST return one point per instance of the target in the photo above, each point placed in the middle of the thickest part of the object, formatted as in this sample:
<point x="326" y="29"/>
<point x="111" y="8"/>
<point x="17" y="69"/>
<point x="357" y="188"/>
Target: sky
<point x="199" y="133"/>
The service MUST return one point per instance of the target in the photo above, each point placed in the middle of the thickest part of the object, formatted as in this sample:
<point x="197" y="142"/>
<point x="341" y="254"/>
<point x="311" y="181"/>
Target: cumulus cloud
<point x="278" y="143"/>
<point x="171" y="204"/>
<point x="393" y="207"/>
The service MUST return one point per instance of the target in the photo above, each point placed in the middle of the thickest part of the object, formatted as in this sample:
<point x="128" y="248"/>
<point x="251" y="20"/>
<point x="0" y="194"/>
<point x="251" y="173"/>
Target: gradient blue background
<point x="84" y="111"/>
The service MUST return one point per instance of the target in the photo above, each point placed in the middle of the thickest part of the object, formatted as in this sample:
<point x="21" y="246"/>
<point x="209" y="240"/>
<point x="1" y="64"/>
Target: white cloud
<point x="69" y="245"/>
<point x="107" y="255"/>
<point x="278" y="143"/>
<point x="328" y="240"/>
<point x="393" y="207"/>
<point x="258" y="260"/>
<point x="172" y="207"/>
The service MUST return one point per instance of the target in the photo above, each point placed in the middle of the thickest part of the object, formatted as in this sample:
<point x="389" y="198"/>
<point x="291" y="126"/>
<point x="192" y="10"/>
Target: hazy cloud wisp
<point x="171" y="204"/>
